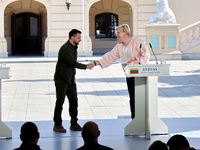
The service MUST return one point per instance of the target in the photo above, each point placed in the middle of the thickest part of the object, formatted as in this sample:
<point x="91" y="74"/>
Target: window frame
<point x="106" y="25"/>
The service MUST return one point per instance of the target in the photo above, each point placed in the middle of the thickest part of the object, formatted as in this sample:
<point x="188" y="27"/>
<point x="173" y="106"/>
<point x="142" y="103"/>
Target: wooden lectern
<point x="146" y="121"/>
<point x="5" y="131"/>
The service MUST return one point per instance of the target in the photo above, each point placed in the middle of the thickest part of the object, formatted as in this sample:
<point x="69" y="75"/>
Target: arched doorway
<point x="31" y="16"/>
<point x="104" y="39"/>
<point x="26" y="34"/>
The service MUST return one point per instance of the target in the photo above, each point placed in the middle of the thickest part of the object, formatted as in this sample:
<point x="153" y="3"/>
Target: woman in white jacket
<point x="131" y="50"/>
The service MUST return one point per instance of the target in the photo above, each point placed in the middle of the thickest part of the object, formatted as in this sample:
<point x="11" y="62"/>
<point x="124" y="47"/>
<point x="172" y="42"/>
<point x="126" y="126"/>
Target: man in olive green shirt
<point x="64" y="78"/>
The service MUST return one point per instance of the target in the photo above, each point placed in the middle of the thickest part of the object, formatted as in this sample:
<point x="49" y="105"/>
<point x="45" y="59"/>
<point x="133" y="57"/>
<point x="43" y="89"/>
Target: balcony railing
<point x="189" y="37"/>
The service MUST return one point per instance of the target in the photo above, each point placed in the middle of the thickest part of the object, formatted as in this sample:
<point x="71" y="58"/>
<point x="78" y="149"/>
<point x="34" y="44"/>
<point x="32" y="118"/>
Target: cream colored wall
<point x="58" y="21"/>
<point x="134" y="12"/>
<point x="61" y="21"/>
<point x="186" y="11"/>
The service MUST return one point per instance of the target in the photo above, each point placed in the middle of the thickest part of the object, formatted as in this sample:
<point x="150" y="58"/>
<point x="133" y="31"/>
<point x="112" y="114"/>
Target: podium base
<point x="5" y="132"/>
<point x="146" y="121"/>
<point x="135" y="127"/>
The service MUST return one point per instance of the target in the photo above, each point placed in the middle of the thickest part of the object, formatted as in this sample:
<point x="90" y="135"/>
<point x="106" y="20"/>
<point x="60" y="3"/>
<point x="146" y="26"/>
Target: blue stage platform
<point x="112" y="134"/>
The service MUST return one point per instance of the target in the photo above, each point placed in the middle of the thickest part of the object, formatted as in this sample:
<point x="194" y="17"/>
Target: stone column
<point x="3" y="42"/>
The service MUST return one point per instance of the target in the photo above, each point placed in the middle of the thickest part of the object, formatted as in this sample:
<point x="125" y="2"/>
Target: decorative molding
<point x="106" y="4"/>
<point x="26" y="4"/>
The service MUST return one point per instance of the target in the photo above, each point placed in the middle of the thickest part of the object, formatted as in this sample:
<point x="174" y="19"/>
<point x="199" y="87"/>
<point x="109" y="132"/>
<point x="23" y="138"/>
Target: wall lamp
<point x="68" y="3"/>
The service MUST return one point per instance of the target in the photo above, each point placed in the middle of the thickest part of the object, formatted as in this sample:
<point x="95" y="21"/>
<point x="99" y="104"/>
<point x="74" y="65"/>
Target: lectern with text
<point x="4" y="130"/>
<point x="146" y="121"/>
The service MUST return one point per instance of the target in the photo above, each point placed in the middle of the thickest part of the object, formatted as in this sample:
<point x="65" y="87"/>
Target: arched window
<point x="105" y="25"/>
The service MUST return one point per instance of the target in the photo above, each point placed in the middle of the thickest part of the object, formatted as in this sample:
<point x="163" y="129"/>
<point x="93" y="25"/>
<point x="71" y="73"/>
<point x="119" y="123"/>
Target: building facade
<point x="40" y="27"/>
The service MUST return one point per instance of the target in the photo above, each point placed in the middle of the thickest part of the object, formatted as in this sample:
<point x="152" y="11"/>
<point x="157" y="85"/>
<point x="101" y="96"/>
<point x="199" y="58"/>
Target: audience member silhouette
<point x="179" y="142"/>
<point x="158" y="145"/>
<point x="90" y="136"/>
<point x="29" y="137"/>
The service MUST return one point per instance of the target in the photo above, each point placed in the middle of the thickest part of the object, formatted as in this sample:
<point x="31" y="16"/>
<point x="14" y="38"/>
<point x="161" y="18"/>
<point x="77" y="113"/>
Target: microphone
<point x="140" y="53"/>
<point x="153" y="53"/>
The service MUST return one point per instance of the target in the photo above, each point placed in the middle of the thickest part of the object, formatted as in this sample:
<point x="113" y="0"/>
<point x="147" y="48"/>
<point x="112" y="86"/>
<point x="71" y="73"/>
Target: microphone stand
<point x="153" y="53"/>
<point x="140" y="53"/>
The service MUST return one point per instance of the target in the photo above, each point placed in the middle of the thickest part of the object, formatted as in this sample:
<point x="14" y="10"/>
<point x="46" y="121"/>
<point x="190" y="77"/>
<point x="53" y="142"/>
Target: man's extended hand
<point x="90" y="65"/>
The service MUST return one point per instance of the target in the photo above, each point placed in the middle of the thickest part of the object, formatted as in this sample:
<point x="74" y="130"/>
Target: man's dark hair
<point x="29" y="132"/>
<point x="73" y="32"/>
<point x="158" y="145"/>
<point x="177" y="141"/>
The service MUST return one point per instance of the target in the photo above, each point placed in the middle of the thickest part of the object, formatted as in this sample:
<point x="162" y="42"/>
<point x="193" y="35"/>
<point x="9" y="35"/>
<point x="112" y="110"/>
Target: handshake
<point x="92" y="64"/>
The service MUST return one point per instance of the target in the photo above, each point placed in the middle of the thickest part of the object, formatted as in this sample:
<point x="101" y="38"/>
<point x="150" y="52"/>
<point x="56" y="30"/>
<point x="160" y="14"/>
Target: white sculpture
<point x="163" y="11"/>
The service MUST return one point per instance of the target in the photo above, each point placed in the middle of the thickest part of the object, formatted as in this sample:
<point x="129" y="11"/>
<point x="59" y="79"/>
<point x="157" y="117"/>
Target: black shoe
<point x="59" y="128"/>
<point x="76" y="127"/>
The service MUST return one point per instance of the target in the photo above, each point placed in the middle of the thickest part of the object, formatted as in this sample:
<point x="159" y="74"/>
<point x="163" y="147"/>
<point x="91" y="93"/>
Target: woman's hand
<point x="132" y="62"/>
<point x="90" y="65"/>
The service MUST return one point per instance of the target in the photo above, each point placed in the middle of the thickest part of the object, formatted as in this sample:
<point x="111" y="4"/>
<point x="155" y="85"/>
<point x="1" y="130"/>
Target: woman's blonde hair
<point x="124" y="28"/>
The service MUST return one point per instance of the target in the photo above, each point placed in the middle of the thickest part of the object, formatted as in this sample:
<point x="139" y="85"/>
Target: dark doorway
<point x="26" y="34"/>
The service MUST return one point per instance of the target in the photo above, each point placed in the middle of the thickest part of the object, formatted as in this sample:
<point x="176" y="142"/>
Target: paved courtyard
<point x="29" y="95"/>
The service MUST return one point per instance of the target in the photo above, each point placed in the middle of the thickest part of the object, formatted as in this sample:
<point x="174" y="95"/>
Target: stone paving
<point x="29" y="95"/>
